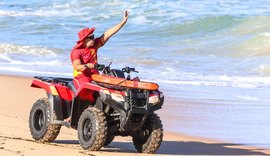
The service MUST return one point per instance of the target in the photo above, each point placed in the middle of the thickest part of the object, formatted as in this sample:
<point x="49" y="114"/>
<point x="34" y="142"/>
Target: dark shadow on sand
<point x="68" y="142"/>
<point x="189" y="148"/>
<point x="200" y="148"/>
<point x="177" y="148"/>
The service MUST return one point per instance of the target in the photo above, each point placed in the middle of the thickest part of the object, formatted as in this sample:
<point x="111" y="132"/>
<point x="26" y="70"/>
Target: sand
<point x="17" y="98"/>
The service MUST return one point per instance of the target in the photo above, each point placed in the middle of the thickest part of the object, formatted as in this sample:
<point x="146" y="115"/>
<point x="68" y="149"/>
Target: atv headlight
<point x="153" y="99"/>
<point x="117" y="97"/>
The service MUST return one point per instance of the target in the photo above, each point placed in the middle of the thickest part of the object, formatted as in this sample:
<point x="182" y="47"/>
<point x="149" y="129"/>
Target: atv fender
<point x="59" y="99"/>
<point x="54" y="89"/>
<point x="78" y="102"/>
<point x="89" y="86"/>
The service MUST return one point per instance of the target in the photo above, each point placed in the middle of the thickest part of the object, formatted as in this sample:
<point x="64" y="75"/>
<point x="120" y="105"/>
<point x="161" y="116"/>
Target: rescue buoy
<point x="123" y="82"/>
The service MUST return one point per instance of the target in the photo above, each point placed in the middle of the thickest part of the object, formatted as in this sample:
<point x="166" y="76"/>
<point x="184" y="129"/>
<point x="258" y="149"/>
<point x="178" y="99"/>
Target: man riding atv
<point x="99" y="102"/>
<point x="84" y="54"/>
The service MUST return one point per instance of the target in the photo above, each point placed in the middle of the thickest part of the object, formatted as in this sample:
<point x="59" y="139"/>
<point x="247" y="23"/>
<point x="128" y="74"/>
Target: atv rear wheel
<point x="39" y="122"/>
<point x="92" y="129"/>
<point x="149" y="138"/>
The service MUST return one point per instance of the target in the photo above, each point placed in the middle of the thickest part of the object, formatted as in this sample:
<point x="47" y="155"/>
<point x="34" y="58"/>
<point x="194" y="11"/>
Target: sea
<point x="210" y="58"/>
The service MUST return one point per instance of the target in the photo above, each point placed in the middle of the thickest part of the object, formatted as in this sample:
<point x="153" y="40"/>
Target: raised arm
<point x="111" y="31"/>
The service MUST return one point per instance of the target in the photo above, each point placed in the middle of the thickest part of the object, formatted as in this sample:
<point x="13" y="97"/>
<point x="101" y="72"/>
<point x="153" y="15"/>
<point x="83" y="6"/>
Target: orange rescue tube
<point x="125" y="83"/>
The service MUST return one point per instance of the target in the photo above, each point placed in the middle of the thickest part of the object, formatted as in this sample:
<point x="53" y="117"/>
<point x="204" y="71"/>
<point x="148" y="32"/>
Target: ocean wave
<point x="73" y="8"/>
<point x="222" y="36"/>
<point x="31" y="55"/>
<point x="6" y="48"/>
<point x="263" y="69"/>
<point x="251" y="98"/>
<point x="206" y="24"/>
<point x="32" y="63"/>
<point x="64" y="10"/>
<point x="144" y="61"/>
<point x="253" y="37"/>
<point x="43" y="13"/>
<point x="217" y="81"/>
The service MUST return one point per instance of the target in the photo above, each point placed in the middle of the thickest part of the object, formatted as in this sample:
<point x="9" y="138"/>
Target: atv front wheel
<point x="149" y="138"/>
<point x="92" y="129"/>
<point x="39" y="122"/>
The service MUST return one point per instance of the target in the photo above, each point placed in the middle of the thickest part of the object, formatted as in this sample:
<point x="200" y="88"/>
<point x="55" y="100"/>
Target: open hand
<point x="125" y="18"/>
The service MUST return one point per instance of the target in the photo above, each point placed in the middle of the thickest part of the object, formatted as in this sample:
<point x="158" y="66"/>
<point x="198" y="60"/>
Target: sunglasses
<point x="91" y="37"/>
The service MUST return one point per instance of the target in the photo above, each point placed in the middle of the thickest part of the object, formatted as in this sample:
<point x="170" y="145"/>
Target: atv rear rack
<point x="63" y="81"/>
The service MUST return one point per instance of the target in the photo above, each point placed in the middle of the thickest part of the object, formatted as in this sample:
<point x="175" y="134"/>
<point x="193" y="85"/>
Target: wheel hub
<point x="38" y="120"/>
<point x="87" y="130"/>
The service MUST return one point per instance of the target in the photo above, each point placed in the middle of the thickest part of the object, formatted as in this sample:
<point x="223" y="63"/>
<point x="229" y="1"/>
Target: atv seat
<point x="71" y="86"/>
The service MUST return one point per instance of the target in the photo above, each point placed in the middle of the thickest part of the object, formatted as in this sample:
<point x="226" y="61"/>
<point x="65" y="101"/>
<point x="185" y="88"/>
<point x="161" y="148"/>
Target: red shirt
<point x="86" y="55"/>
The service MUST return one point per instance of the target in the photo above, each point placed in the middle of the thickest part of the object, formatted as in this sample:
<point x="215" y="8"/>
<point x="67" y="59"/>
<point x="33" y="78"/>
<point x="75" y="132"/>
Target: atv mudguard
<point x="54" y="89"/>
<point x="59" y="97"/>
<point x="77" y="104"/>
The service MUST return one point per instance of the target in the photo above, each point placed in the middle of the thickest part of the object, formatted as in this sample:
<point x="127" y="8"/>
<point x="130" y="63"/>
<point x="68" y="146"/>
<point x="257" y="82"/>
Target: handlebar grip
<point x="128" y="70"/>
<point x="99" y="66"/>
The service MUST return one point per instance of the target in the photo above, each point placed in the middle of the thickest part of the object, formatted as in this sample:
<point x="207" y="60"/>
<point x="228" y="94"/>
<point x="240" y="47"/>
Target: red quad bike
<point x="121" y="106"/>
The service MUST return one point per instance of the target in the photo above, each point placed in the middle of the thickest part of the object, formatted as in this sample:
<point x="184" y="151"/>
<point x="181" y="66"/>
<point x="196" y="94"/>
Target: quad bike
<point x="122" y="107"/>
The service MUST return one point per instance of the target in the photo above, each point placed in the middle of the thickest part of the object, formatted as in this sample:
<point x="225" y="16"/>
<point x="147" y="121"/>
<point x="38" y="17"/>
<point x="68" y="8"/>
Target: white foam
<point x="263" y="69"/>
<point x="47" y="63"/>
<point x="5" y="57"/>
<point x="43" y="12"/>
<point x="140" y="20"/>
<point x="27" y="50"/>
<point x="27" y="13"/>
<point x="251" y="98"/>
<point x="267" y="34"/>
<point x="215" y="80"/>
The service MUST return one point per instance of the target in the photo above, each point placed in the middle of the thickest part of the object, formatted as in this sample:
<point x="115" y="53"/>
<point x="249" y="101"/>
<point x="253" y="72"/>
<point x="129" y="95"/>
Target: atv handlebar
<point x="99" y="66"/>
<point x="128" y="70"/>
<point x="102" y="67"/>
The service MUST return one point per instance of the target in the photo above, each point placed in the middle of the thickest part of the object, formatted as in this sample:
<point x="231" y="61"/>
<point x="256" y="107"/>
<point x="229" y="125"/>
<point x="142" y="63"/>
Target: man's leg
<point x="86" y="94"/>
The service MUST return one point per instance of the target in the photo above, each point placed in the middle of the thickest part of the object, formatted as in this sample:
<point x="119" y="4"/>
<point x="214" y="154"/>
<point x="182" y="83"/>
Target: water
<point x="211" y="58"/>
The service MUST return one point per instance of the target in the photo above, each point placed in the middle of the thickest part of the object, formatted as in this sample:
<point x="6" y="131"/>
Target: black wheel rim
<point x="87" y="130"/>
<point x="38" y="120"/>
<point x="145" y="136"/>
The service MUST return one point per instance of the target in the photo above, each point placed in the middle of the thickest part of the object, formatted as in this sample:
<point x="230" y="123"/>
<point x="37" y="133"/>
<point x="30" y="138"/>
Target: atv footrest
<point x="64" y="123"/>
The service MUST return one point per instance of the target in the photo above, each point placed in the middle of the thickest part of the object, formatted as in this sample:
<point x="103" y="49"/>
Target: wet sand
<point x="17" y="98"/>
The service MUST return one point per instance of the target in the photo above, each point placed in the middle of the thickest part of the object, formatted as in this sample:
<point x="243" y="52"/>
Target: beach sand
<point x="17" y="98"/>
